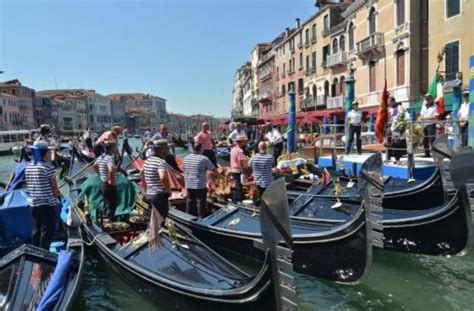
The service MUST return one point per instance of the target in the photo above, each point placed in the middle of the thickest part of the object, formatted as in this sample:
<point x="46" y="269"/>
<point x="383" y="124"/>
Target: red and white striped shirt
<point x="205" y="139"/>
<point x="236" y="156"/>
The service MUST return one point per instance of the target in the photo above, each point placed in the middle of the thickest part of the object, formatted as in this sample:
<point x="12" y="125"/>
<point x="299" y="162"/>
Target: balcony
<point x="321" y="101"/>
<point x="266" y="97"/>
<point x="335" y="102"/>
<point x="306" y="44"/>
<point x="290" y="71"/>
<point x="300" y="45"/>
<point x="266" y="76"/>
<point x="336" y="59"/>
<point x="373" y="43"/>
<point x="308" y="102"/>
<point x="313" y="39"/>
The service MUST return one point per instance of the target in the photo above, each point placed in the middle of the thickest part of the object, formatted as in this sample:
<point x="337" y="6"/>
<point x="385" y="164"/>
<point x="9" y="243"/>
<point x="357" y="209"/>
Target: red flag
<point x="325" y="178"/>
<point x="382" y="115"/>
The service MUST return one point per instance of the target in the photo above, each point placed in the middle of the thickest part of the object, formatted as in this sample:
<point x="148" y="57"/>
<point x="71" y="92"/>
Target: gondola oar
<point x="68" y="180"/>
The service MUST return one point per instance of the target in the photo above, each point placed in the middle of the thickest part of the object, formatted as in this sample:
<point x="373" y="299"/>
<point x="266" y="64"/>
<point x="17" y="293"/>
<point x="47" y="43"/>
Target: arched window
<point x="342" y="84"/>
<point x="335" y="88"/>
<point x="334" y="46"/>
<point x="314" y="91"/>
<point x="326" y="87"/>
<point x="372" y="21"/>
<point x="400" y="59"/>
<point x="351" y="36"/>
<point x="342" y="43"/>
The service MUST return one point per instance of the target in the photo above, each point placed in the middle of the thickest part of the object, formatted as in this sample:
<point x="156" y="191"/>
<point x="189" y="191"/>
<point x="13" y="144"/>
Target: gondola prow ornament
<point x="275" y="227"/>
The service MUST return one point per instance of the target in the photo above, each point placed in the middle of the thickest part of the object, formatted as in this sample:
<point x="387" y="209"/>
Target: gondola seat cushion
<point x="125" y="199"/>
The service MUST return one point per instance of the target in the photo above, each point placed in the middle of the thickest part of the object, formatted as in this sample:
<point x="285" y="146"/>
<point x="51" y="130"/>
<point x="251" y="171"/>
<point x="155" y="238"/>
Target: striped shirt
<point x="38" y="181"/>
<point x="104" y="162"/>
<point x="236" y="156"/>
<point x="195" y="167"/>
<point x="262" y="169"/>
<point x="205" y="139"/>
<point x="151" y="167"/>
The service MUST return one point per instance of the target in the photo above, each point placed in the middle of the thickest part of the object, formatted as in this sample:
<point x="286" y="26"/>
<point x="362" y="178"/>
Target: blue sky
<point x="183" y="50"/>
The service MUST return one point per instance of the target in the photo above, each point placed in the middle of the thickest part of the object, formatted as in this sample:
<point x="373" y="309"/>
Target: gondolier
<point x="463" y="117"/>
<point x="87" y="139"/>
<point x="262" y="164"/>
<point x="238" y="131"/>
<point x="163" y="134"/>
<point x="428" y="116"/>
<point x="108" y="136"/>
<point x="156" y="177"/>
<point x="205" y="139"/>
<point x="196" y="166"/>
<point x="274" y="137"/>
<point x="237" y="167"/>
<point x="105" y="165"/>
<point x="354" y="125"/>
<point x="43" y="190"/>
<point x="126" y="146"/>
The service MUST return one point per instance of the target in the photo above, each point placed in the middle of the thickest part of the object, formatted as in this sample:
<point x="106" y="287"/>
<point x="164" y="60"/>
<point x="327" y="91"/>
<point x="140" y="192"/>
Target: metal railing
<point x="335" y="102"/>
<point x="375" y="40"/>
<point x="336" y="59"/>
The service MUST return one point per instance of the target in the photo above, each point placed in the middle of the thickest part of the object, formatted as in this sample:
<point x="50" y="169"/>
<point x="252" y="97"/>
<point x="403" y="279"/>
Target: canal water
<point x="397" y="282"/>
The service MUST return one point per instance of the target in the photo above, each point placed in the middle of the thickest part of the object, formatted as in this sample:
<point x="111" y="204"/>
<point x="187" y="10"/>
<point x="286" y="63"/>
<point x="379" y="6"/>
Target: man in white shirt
<point x="273" y="136"/>
<point x="428" y="117"/>
<point x="239" y="131"/>
<point x="463" y="118"/>
<point x="354" y="124"/>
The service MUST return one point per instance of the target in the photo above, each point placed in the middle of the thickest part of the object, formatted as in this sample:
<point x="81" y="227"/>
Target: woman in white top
<point x="463" y="118"/>
<point x="354" y="124"/>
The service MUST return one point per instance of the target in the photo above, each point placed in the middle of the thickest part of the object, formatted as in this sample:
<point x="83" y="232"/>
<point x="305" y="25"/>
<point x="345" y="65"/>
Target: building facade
<point x="19" y="101"/>
<point x="448" y="29"/>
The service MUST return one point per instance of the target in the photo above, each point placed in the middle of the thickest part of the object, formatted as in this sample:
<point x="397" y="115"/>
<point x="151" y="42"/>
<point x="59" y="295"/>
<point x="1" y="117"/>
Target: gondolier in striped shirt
<point x="196" y="166"/>
<point x="205" y="139"/>
<point x="105" y="165"/>
<point x="156" y="177"/>
<point x="43" y="192"/>
<point x="163" y="134"/>
<point x="237" y="167"/>
<point x="262" y="168"/>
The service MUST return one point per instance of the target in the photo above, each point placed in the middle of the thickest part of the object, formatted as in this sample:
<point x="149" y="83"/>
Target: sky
<point x="186" y="51"/>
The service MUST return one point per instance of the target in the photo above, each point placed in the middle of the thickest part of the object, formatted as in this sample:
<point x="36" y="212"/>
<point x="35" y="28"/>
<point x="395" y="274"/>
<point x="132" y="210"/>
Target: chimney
<point x="287" y="31"/>
<point x="298" y="23"/>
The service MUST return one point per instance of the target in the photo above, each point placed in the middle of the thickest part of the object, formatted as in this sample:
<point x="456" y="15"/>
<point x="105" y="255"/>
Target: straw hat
<point x="160" y="143"/>
<point x="241" y="138"/>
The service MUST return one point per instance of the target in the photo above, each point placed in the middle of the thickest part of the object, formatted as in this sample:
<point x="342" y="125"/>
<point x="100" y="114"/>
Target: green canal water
<point x="396" y="282"/>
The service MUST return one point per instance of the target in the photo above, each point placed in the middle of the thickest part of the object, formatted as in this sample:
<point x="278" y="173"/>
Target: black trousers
<point x="464" y="130"/>
<point x="159" y="202"/>
<point x="43" y="227"/>
<point x="98" y="150"/>
<point x="126" y="147"/>
<point x="354" y="129"/>
<point x="257" y="197"/>
<point x="196" y="202"/>
<point x="277" y="149"/>
<point x="237" y="188"/>
<point x="211" y="155"/>
<point x="109" y="193"/>
<point x="400" y="148"/>
<point x="88" y="143"/>
<point x="170" y="159"/>
<point x="429" y="133"/>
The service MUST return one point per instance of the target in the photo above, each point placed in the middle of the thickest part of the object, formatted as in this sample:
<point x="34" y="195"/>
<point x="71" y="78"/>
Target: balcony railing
<point x="300" y="45"/>
<point x="313" y="39"/>
<point x="308" y="102"/>
<point x="335" y="102"/>
<point x="306" y="44"/>
<point x="321" y="101"/>
<point x="325" y="32"/>
<point x="266" y="76"/>
<point x="336" y="59"/>
<point x="373" y="42"/>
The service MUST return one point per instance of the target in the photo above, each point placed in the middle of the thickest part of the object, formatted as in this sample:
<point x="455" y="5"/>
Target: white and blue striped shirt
<point x="262" y="164"/>
<point x="195" y="167"/>
<point x="38" y="181"/>
<point x="104" y="162"/>
<point x="151" y="167"/>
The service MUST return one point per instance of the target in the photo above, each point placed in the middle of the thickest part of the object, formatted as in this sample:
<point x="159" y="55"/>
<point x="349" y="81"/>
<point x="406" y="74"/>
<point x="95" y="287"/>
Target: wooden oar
<point x="67" y="180"/>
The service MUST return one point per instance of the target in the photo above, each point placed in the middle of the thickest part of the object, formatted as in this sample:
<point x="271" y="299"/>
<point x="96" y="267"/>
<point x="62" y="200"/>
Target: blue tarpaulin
<point x="16" y="221"/>
<point x="19" y="176"/>
<point x="56" y="283"/>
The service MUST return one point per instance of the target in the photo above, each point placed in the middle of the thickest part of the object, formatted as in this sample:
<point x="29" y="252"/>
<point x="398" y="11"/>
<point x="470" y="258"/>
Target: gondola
<point x="31" y="277"/>
<point x="337" y="252"/>
<point x="398" y="195"/>
<point x="182" y="274"/>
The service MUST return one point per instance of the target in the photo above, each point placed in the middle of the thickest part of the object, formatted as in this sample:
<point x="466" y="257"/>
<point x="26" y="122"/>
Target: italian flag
<point x="436" y="90"/>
